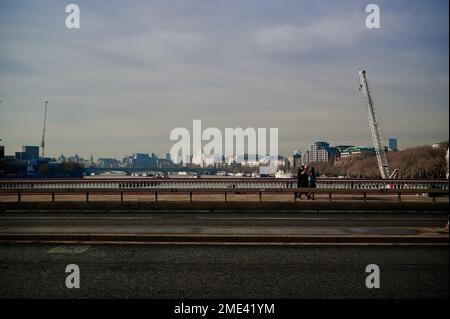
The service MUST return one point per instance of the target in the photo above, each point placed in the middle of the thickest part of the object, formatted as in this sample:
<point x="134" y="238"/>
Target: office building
<point x="393" y="144"/>
<point x="28" y="153"/>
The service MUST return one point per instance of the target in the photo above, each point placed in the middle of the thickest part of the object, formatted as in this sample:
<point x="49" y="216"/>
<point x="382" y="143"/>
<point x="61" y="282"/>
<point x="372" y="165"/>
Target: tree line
<point x="417" y="162"/>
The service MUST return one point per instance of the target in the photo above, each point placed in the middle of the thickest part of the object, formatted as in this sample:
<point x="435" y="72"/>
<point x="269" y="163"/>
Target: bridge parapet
<point x="219" y="183"/>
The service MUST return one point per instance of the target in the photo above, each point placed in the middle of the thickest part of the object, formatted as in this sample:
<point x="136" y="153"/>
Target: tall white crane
<point x="43" y="130"/>
<point x="374" y="125"/>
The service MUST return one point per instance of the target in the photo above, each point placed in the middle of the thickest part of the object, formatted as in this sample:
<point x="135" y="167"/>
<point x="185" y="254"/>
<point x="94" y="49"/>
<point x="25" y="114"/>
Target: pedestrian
<point x="303" y="179"/>
<point x="311" y="182"/>
<point x="299" y="183"/>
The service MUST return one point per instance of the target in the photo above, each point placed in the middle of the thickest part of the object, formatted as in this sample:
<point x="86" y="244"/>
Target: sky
<point x="135" y="70"/>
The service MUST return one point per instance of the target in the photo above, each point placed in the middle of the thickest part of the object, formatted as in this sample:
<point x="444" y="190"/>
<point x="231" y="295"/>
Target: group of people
<point x="306" y="178"/>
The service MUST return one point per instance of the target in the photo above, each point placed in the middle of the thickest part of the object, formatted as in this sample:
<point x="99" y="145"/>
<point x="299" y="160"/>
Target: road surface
<point x="184" y="271"/>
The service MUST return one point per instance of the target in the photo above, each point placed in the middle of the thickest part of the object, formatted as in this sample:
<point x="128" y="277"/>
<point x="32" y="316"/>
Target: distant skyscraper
<point x="321" y="152"/>
<point x="28" y="153"/>
<point x="393" y="144"/>
<point x="295" y="160"/>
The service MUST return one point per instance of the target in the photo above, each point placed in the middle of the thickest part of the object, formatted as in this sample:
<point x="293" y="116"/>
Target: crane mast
<point x="374" y="125"/>
<point x="43" y="131"/>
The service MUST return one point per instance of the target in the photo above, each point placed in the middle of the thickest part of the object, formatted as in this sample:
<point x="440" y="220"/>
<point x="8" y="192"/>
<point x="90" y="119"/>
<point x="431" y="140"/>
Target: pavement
<point x="224" y="228"/>
<point x="221" y="253"/>
<point x="202" y="271"/>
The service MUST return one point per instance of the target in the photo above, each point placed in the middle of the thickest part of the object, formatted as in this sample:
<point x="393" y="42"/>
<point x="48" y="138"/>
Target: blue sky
<point x="137" y="69"/>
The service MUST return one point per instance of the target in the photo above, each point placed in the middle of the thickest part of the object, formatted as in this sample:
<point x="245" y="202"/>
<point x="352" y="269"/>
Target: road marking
<point x="69" y="242"/>
<point x="74" y="217"/>
<point x="320" y="218"/>
<point x="68" y="249"/>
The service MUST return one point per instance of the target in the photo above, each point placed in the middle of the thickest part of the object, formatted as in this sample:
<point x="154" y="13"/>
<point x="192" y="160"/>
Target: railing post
<point x="225" y="196"/>
<point x="329" y="197"/>
<point x="87" y="196"/>
<point x="156" y="197"/>
<point x="365" y="197"/>
<point x="260" y="196"/>
<point x="19" y="197"/>
<point x="53" y="196"/>
<point x="121" y="197"/>
<point x="190" y="197"/>
<point x="295" y="197"/>
<point x="399" y="196"/>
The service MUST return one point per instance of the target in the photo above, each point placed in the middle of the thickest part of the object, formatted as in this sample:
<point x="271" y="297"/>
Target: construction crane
<point x="43" y="130"/>
<point x="374" y="125"/>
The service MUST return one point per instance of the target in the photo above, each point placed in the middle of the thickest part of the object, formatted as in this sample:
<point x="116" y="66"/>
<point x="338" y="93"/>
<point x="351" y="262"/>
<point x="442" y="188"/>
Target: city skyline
<point x="164" y="155"/>
<point x="116" y="88"/>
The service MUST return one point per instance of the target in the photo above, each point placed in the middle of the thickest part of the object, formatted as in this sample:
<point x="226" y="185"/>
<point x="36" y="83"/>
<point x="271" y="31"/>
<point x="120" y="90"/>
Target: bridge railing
<point x="361" y="194"/>
<point x="217" y="183"/>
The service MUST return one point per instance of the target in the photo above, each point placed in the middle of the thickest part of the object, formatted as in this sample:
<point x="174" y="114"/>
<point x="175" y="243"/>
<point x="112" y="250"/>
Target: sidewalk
<point x="226" y="234"/>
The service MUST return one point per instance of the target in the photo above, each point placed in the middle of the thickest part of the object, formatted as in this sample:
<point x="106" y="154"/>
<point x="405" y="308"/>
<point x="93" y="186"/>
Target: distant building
<point x="392" y="144"/>
<point x="75" y="159"/>
<point x="61" y="159"/>
<point x="2" y="160"/>
<point x="107" y="163"/>
<point x="295" y="160"/>
<point x="320" y="152"/>
<point x="315" y="153"/>
<point x="28" y="153"/>
<point x="343" y="147"/>
<point x="356" y="152"/>
<point x="143" y="160"/>
<point x="321" y="155"/>
<point x="305" y="158"/>
<point x="333" y="154"/>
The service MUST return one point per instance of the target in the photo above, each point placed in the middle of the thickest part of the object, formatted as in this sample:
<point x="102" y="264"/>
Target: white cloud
<point x="325" y="33"/>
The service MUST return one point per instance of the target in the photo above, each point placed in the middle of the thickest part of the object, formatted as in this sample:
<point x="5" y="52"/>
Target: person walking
<point x="299" y="183"/>
<point x="311" y="182"/>
<point x="303" y="179"/>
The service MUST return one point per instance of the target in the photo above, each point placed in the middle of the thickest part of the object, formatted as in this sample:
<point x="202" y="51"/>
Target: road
<point x="19" y="218"/>
<point x="275" y="269"/>
<point x="223" y="227"/>
<point x="185" y="271"/>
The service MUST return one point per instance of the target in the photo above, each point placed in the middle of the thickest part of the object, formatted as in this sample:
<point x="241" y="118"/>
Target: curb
<point x="133" y="238"/>
<point x="239" y="206"/>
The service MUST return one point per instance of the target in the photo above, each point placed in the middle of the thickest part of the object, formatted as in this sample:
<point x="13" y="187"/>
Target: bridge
<point x="122" y="227"/>
<point x="260" y="188"/>
<point x="219" y="183"/>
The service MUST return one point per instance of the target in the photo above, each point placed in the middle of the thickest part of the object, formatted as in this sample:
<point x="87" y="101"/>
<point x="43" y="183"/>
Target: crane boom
<point x="374" y="125"/>
<point x="43" y="130"/>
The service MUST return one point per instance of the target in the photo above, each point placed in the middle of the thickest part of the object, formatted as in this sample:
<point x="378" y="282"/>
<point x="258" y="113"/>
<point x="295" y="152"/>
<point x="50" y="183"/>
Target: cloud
<point x="326" y="33"/>
<point x="133" y="72"/>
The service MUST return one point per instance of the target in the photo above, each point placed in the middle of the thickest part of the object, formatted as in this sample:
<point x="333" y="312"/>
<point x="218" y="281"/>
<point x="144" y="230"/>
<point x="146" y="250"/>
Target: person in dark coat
<point x="299" y="184"/>
<point x="311" y="182"/>
<point x="302" y="179"/>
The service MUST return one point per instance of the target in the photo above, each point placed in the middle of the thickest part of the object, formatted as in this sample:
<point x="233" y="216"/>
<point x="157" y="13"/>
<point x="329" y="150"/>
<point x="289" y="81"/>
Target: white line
<point x="213" y="243"/>
<point x="320" y="218"/>
<point x="74" y="218"/>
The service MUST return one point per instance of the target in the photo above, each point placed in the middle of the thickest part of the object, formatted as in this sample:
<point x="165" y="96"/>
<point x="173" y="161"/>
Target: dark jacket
<point x="302" y="179"/>
<point x="311" y="179"/>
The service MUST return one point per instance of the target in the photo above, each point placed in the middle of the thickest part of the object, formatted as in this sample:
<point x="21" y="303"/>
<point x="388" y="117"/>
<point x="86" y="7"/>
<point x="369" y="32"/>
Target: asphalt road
<point x="237" y="219"/>
<point x="187" y="271"/>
